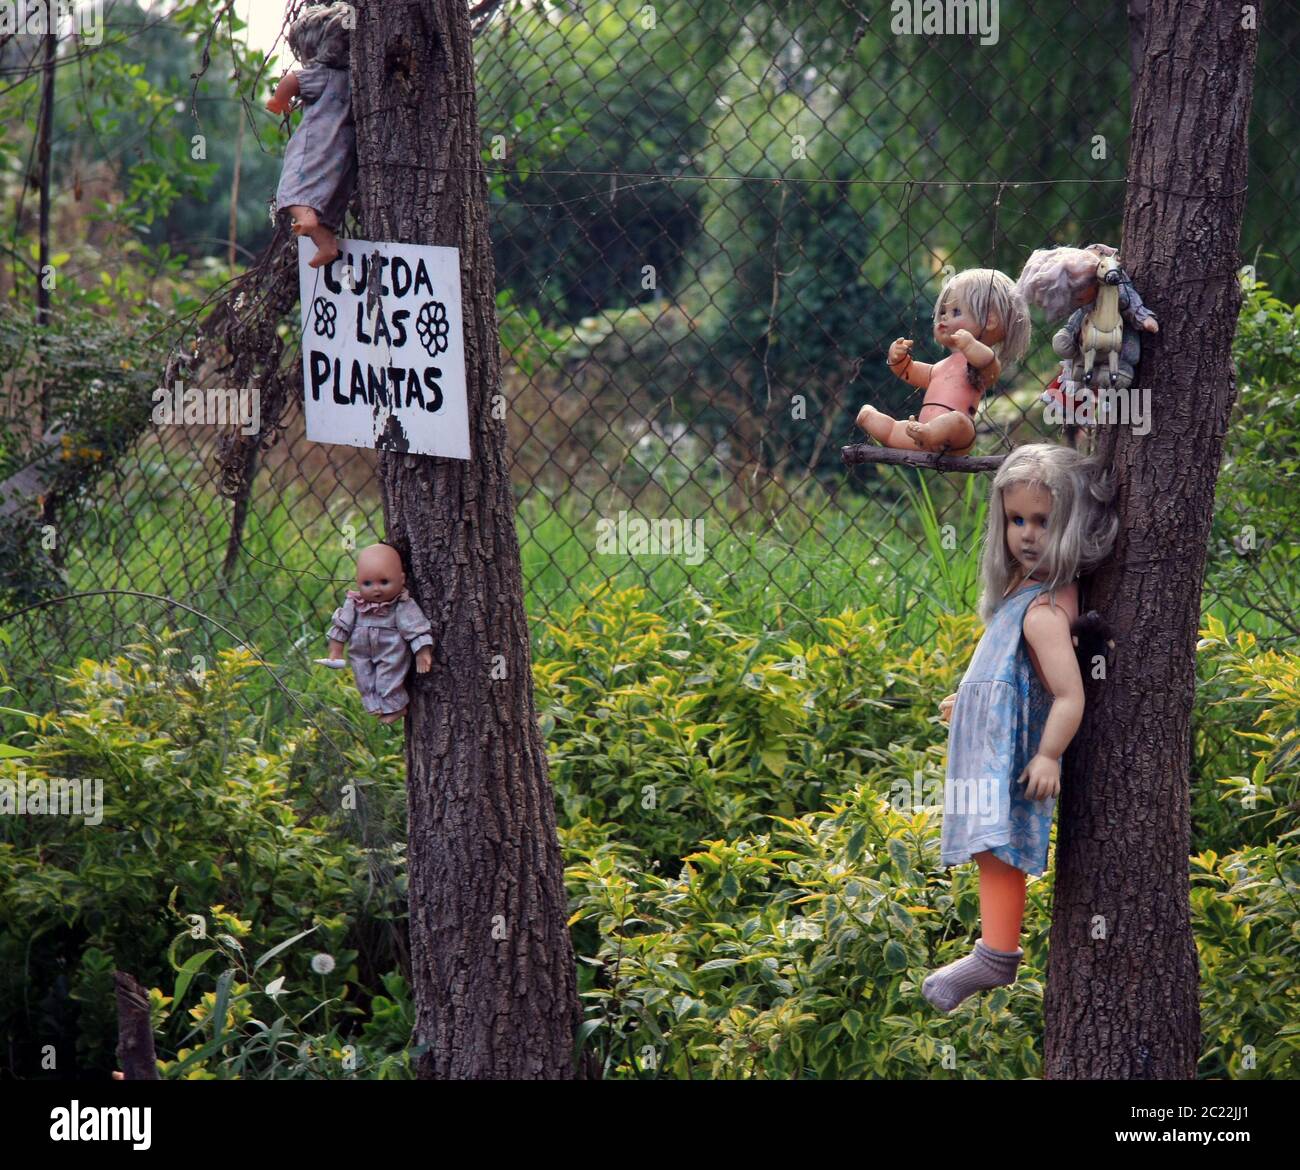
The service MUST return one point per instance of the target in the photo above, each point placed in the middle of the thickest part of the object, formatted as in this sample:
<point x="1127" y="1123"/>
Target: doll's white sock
<point x="981" y="969"/>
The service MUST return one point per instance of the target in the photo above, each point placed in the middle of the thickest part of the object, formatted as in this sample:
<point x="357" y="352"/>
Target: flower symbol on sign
<point x="433" y="328"/>
<point x="325" y="316"/>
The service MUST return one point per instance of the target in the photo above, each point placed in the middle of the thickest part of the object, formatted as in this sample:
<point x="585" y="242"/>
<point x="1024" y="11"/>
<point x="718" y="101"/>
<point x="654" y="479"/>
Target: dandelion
<point x="322" y="964"/>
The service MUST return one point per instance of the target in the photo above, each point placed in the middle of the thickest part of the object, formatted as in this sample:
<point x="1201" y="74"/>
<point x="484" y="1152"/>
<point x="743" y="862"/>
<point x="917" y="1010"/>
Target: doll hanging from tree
<point x="983" y="319"/>
<point x="1021" y="699"/>
<point x="383" y="627"/>
<point x="320" y="162"/>
<point x="1077" y="282"/>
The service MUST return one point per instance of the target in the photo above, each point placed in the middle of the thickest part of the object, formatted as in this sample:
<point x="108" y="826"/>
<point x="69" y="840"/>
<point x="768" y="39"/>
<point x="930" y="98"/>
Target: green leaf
<point x="275" y="950"/>
<point x="189" y="969"/>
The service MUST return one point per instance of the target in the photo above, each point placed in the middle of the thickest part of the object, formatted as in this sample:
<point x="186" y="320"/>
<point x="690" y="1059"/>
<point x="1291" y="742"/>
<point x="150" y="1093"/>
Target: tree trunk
<point x="135" y="1051"/>
<point x="492" y="962"/>
<point x="1121" y="998"/>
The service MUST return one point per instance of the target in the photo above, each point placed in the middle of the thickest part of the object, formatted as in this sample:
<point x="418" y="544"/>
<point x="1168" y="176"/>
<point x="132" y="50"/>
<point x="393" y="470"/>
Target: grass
<point x="914" y="555"/>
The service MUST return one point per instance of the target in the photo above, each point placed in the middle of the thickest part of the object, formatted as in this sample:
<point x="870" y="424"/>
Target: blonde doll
<point x="1021" y="699"/>
<point x="983" y="319"/>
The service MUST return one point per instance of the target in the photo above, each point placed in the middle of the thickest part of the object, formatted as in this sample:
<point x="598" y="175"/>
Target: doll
<point x="1107" y="316"/>
<point x="1021" y="699"/>
<point x="320" y="162"/>
<point x="384" y="627"/>
<point x="980" y="317"/>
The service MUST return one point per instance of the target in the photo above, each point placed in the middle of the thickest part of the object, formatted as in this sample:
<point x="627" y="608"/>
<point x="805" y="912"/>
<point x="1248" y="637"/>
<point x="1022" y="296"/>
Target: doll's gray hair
<point x="1081" y="529"/>
<point x="322" y="34"/>
<point x="981" y="290"/>
<point x="1054" y="279"/>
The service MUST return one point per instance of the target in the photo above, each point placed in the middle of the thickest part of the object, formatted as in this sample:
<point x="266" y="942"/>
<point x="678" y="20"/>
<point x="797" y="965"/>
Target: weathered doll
<point x="983" y="319"/>
<point x="1067" y="280"/>
<point x="383" y="628"/>
<point x="1021" y="699"/>
<point x="320" y="162"/>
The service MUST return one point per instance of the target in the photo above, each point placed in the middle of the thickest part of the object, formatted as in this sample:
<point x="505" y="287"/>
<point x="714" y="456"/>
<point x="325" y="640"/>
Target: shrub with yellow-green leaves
<point x="677" y="731"/>
<point x="198" y="804"/>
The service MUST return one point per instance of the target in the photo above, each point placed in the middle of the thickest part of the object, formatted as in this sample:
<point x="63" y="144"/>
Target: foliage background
<point x="752" y="897"/>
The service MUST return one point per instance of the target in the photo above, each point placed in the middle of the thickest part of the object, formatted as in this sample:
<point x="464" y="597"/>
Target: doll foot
<point x="324" y="255"/>
<point x="982" y="969"/>
<point x="863" y="420"/>
<point x="918" y="432"/>
<point x="394" y="717"/>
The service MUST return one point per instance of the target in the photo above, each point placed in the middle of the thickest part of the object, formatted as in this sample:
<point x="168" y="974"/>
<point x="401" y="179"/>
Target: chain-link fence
<point x="710" y="220"/>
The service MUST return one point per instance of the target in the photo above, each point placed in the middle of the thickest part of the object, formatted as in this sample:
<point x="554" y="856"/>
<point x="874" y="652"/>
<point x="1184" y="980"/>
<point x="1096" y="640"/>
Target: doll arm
<point x="415" y="628"/>
<point x="900" y="362"/>
<point x="1134" y="311"/>
<point x="1047" y="630"/>
<point x="1065" y="342"/>
<point x="979" y="357"/>
<point x="340" y="631"/>
<point x="285" y="92"/>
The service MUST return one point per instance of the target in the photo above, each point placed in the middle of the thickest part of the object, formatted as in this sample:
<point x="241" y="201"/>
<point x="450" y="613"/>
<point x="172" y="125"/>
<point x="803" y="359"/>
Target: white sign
<point x="383" y="351"/>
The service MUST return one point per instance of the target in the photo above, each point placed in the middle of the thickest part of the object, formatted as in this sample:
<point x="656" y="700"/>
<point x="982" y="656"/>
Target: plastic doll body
<point x="1021" y="700"/>
<point x="976" y="313"/>
<point x="1068" y="280"/>
<point x="383" y="627"/>
<point x="320" y="166"/>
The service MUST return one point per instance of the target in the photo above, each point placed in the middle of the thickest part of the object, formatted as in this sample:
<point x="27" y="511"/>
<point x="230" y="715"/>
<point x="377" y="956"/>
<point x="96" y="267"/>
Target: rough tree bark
<point x="492" y="962"/>
<point x="1121" y="999"/>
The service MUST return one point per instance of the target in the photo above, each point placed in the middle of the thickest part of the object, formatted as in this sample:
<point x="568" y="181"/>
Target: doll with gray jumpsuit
<point x="383" y="627"/>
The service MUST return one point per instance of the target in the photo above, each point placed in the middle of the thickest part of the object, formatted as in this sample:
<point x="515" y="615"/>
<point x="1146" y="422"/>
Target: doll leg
<point x="391" y="667"/>
<point x="900" y="436"/>
<point x="307" y="223"/>
<point x="952" y="432"/>
<point x="1002" y="904"/>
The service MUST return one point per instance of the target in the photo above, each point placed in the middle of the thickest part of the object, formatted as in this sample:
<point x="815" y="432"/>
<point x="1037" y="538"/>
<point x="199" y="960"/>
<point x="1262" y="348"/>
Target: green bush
<point x="770" y="913"/>
<point x="678" y="731"/>
<point x="196" y="808"/>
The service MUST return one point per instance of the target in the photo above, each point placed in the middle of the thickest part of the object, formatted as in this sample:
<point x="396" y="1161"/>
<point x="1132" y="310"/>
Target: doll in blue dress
<point x="1021" y="699"/>
<point x="320" y="162"/>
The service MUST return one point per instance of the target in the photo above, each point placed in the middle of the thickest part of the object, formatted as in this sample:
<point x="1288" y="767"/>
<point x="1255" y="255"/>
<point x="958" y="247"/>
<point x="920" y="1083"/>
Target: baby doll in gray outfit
<point x="320" y="162"/>
<point x="384" y="627"/>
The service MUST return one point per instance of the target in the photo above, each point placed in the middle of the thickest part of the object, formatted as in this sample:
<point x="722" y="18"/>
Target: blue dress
<point x="994" y="731"/>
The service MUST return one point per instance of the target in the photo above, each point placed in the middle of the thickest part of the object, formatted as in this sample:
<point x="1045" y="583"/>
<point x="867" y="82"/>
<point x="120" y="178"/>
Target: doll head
<point x="1049" y="517"/>
<point x="985" y="302"/>
<point x="380" y="576"/>
<point x="1060" y="280"/>
<point x="322" y="34"/>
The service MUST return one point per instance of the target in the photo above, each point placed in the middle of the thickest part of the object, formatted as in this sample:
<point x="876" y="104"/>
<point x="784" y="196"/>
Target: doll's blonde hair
<point x="979" y="290"/>
<point x="322" y="34"/>
<point x="1055" y="279"/>
<point x="1081" y="527"/>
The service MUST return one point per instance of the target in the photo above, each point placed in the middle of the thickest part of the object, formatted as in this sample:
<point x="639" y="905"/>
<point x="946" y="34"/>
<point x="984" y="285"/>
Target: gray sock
<point x="981" y="969"/>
